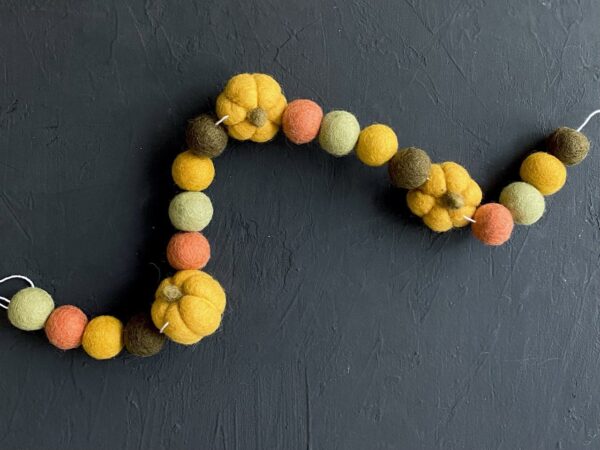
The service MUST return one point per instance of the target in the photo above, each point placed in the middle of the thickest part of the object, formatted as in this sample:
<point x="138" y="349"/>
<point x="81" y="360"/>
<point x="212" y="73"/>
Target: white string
<point x="221" y="120"/>
<point x="20" y="277"/>
<point x="5" y="300"/>
<point x="468" y="219"/>
<point x="585" y="122"/>
<point x="164" y="327"/>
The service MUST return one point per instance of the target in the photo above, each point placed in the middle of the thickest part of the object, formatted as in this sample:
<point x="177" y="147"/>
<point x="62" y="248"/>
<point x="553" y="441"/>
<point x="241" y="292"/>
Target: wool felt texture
<point x="65" y="326"/>
<point x="190" y="211"/>
<point x="191" y="172"/>
<point x="141" y="337"/>
<point x="409" y="168"/>
<point x="446" y="198"/>
<point x="192" y="302"/>
<point x="544" y="172"/>
<point x="493" y="224"/>
<point x="254" y="104"/>
<point x="29" y="308"/>
<point x="103" y="337"/>
<point x="188" y="251"/>
<point x="569" y="145"/>
<point x="204" y="137"/>
<point x="376" y="145"/>
<point x="339" y="133"/>
<point x="525" y="203"/>
<point x="301" y="121"/>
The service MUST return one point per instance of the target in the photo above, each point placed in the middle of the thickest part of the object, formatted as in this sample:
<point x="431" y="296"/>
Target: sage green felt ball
<point x="190" y="211"/>
<point x="29" y="308"/>
<point x="569" y="145"/>
<point x="525" y="202"/>
<point x="339" y="133"/>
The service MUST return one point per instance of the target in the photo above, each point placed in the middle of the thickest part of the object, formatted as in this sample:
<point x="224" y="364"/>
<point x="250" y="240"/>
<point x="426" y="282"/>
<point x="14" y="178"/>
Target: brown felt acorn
<point x="204" y="137"/>
<point x="141" y="336"/>
<point x="569" y="145"/>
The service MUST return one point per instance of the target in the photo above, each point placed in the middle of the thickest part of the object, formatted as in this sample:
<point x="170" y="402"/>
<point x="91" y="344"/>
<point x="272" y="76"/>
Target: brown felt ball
<point x="493" y="224"/>
<point x="204" y="137"/>
<point x="187" y="251"/>
<point x="409" y="168"/>
<point x="569" y="145"/>
<point x="141" y="337"/>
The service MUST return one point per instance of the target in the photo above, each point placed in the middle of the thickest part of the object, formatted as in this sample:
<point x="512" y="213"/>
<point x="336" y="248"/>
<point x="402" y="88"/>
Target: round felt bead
<point x="191" y="172"/>
<point x="545" y="172"/>
<point x="493" y="224"/>
<point x="569" y="145"/>
<point x="377" y="144"/>
<point x="29" y="308"/>
<point x="525" y="203"/>
<point x="141" y="336"/>
<point x="339" y="133"/>
<point x="189" y="250"/>
<point x="190" y="211"/>
<point x="103" y="337"/>
<point x="204" y="137"/>
<point x="64" y="327"/>
<point x="409" y="168"/>
<point x="301" y="121"/>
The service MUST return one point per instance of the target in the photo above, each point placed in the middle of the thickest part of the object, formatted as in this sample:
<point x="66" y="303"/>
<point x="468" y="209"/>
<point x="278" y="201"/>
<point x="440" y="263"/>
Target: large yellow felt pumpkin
<point x="447" y="199"/>
<point x="254" y="105"/>
<point x="188" y="306"/>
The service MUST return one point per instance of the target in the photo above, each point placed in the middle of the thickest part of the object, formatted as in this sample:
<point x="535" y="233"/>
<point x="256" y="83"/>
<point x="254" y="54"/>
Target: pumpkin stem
<point x="453" y="200"/>
<point x="172" y="293"/>
<point x="257" y="117"/>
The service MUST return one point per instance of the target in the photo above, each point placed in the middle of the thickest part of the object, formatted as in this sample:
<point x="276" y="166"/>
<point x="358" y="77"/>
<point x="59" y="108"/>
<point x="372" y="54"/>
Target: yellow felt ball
<point x="103" y="337"/>
<point x="376" y="145"/>
<point x="253" y="104"/>
<point x="192" y="172"/>
<point x="544" y="172"/>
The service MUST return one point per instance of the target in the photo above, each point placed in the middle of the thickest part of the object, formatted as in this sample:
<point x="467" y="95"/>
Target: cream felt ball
<point x="525" y="203"/>
<point x="493" y="224"/>
<point x="29" y="308"/>
<point x="544" y="171"/>
<point x="103" y="337"/>
<point x="190" y="211"/>
<point x="569" y="145"/>
<point x="64" y="327"/>
<point x="376" y="145"/>
<point x="339" y="133"/>
<point x="192" y="172"/>
<point x="301" y="121"/>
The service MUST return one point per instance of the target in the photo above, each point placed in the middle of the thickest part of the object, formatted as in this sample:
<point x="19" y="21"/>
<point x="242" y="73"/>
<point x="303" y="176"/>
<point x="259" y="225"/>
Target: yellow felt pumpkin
<point x="447" y="198"/>
<point x="254" y="105"/>
<point x="188" y="306"/>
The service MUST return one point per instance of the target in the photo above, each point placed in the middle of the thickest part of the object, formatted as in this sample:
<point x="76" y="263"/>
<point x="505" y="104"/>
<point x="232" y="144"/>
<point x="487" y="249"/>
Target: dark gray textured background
<point x="349" y="324"/>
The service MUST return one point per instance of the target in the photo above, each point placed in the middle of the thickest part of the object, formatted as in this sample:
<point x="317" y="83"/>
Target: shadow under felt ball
<point x="141" y="336"/>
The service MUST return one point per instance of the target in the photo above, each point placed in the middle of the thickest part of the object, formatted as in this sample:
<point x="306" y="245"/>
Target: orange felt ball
<point x="188" y="251"/>
<point x="64" y="327"/>
<point x="301" y="121"/>
<point x="493" y="224"/>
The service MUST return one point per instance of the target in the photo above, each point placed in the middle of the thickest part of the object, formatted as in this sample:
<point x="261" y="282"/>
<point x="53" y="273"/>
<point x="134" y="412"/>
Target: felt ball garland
<point x="189" y="305"/>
